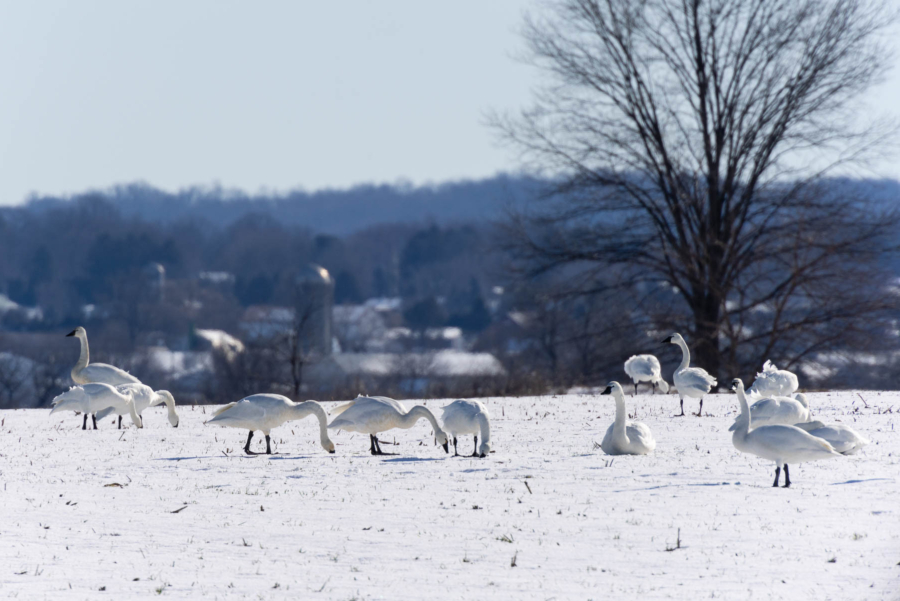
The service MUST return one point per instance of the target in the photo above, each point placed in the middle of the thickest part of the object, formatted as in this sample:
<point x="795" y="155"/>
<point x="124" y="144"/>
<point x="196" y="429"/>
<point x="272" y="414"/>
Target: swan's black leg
<point x="84" y="422"/>
<point x="700" y="411"/>
<point x="682" y="410"/>
<point x="372" y="444"/>
<point x="120" y="423"/>
<point x="268" y="448"/>
<point x="777" y="475"/>
<point x="653" y="387"/>
<point x="247" y="446"/>
<point x="475" y="452"/>
<point x="635" y="389"/>
<point x="787" y="477"/>
<point x="455" y="453"/>
<point x="94" y="418"/>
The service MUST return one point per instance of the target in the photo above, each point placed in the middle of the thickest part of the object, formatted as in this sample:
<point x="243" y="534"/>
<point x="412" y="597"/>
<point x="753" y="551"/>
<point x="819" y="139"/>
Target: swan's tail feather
<point x="223" y="409"/>
<point x="340" y="409"/>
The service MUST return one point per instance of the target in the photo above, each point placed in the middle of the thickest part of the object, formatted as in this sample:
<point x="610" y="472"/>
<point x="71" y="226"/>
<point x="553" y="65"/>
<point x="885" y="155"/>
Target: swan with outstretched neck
<point x="86" y="372"/>
<point x="625" y="437"/>
<point x="468" y="417"/>
<point x="373" y="415"/>
<point x="91" y="398"/>
<point x="693" y="382"/>
<point x="779" y="443"/>
<point x="144" y="397"/>
<point x="265" y="412"/>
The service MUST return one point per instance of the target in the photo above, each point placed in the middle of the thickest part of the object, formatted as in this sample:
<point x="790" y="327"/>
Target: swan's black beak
<point x="667" y="340"/>
<point x="176" y="425"/>
<point x="446" y="446"/>
<point x="607" y="390"/>
<point x="331" y="451"/>
<point x="72" y="333"/>
<point x="482" y="455"/>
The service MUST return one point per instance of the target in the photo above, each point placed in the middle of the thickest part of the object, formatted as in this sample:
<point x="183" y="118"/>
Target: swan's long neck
<point x="85" y="356"/>
<point x="170" y="405"/>
<point x="685" y="354"/>
<point x="485" y="426"/>
<point x="134" y="416"/>
<point x="743" y="420"/>
<point x="621" y="414"/>
<point x="301" y="410"/>
<point x="410" y="419"/>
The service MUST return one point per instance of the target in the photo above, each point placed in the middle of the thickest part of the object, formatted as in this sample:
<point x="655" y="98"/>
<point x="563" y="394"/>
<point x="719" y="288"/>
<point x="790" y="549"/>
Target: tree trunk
<point x="706" y="321"/>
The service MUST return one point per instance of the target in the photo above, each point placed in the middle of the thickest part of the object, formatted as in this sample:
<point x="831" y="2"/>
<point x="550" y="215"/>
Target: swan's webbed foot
<point x="787" y="477"/>
<point x="777" y="476"/>
<point x="700" y="410"/>
<point x="376" y="447"/>
<point x="682" y="410"/>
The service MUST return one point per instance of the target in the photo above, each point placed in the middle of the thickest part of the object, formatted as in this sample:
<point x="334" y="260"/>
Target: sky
<point x="261" y="96"/>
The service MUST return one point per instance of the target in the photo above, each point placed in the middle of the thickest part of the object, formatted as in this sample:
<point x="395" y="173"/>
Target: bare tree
<point x="693" y="138"/>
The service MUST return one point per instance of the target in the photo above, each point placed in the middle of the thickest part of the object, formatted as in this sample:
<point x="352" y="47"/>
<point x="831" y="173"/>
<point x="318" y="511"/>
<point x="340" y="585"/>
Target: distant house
<point x="261" y="322"/>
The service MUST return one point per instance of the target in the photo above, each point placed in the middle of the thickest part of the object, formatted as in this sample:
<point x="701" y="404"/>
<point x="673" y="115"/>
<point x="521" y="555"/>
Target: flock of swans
<point x="777" y="426"/>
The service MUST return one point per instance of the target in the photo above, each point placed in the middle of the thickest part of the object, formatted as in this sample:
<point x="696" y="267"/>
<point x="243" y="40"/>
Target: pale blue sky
<point x="259" y="95"/>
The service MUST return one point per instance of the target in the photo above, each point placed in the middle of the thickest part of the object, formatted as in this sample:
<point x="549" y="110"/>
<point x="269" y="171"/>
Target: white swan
<point x="625" y="437"/>
<point x="844" y="439"/>
<point x="371" y="415"/>
<point x="91" y="398"/>
<point x="645" y="368"/>
<point x="144" y="397"/>
<point x="265" y="412"/>
<point x="772" y="381"/>
<point x="85" y="373"/>
<point x="693" y="382"/>
<point x="779" y="443"/>
<point x="468" y="417"/>
<point x="778" y="410"/>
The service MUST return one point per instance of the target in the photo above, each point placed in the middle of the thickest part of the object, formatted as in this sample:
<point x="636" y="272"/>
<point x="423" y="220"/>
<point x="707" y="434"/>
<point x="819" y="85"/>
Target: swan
<point x="91" y="398"/>
<point x="83" y="373"/>
<point x="692" y="382"/>
<point x="779" y="443"/>
<point x="267" y="411"/>
<point x="371" y="415"/>
<point x="844" y="439"/>
<point x="468" y="417"/>
<point x="778" y="410"/>
<point x="625" y="437"/>
<point x="144" y="397"/>
<point x="772" y="381"/>
<point x="645" y="368"/>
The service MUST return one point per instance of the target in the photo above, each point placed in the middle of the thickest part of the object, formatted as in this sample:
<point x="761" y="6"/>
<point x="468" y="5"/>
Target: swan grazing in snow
<point x="372" y="415"/>
<point x="85" y="373"/>
<point x="468" y="417"/>
<point x="144" y="397"/>
<point x="265" y="412"/>
<point x="625" y="437"/>
<point x="645" y="368"/>
<point x="778" y="410"/>
<point x="772" y="381"/>
<point x="693" y="382"/>
<point x="844" y="439"/>
<point x="779" y="443"/>
<point x="91" y="398"/>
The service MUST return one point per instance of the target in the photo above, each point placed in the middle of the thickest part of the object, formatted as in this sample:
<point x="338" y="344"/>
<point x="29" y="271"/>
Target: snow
<point x="85" y="510"/>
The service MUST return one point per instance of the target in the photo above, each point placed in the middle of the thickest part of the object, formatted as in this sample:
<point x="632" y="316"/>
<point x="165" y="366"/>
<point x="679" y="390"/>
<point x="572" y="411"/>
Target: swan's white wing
<point x="242" y="414"/>
<point x="789" y="444"/>
<point x="341" y="408"/>
<point x="844" y="439"/>
<point x="694" y="378"/>
<point x="107" y="374"/>
<point x="368" y="415"/>
<point x="459" y="417"/>
<point x="640" y="436"/>
<point x="642" y="367"/>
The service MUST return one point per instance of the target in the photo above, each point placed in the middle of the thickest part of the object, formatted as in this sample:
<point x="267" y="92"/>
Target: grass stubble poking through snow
<point x="184" y="513"/>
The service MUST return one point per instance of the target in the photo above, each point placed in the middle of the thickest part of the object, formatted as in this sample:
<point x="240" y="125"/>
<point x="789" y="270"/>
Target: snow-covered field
<point x="182" y="513"/>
